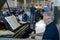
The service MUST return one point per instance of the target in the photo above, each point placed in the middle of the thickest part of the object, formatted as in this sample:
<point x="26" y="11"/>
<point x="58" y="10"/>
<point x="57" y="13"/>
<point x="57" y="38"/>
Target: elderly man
<point x="51" y="31"/>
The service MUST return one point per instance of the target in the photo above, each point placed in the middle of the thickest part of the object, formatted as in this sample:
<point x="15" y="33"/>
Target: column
<point x="25" y="5"/>
<point x="57" y="10"/>
<point x="57" y="13"/>
<point x="56" y="2"/>
<point x="31" y="1"/>
<point x="44" y="2"/>
<point x="38" y="2"/>
<point x="15" y="3"/>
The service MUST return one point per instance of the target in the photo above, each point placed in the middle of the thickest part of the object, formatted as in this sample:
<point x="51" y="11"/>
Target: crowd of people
<point x="28" y="15"/>
<point x="33" y="15"/>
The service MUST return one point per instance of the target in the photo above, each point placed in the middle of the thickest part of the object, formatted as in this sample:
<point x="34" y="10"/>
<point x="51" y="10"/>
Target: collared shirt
<point x="47" y="9"/>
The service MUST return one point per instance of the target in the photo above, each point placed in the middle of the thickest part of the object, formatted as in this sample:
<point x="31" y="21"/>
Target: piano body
<point x="22" y="31"/>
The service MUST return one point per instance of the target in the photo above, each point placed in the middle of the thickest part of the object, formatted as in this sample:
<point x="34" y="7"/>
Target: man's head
<point x="48" y="17"/>
<point x="32" y="5"/>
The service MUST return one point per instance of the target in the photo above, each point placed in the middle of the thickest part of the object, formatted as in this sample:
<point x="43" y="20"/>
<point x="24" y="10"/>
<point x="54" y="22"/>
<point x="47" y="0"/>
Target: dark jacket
<point x="51" y="32"/>
<point x="32" y="10"/>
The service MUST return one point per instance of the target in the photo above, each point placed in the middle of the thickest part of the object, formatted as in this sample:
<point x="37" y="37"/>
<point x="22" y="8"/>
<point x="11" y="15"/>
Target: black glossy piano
<point x="21" y="31"/>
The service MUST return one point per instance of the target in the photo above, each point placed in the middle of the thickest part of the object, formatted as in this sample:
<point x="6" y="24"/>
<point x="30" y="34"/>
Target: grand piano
<point x="21" y="31"/>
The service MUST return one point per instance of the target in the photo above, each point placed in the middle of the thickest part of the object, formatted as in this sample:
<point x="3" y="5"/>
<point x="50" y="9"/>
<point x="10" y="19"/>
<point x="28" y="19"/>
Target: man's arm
<point x="40" y="34"/>
<point x="33" y="34"/>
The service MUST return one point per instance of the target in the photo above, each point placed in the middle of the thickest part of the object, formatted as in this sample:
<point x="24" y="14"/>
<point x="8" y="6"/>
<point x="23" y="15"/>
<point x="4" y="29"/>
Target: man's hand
<point x="32" y="35"/>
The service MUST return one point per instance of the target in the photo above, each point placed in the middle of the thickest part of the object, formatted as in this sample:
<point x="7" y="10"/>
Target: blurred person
<point x="27" y="12"/>
<point x="28" y="15"/>
<point x="3" y="10"/>
<point x="32" y="10"/>
<point x="9" y="13"/>
<point x="23" y="18"/>
<point x="39" y="30"/>
<point x="51" y="5"/>
<point x="47" y="9"/>
<point x="6" y="12"/>
<point x="38" y="15"/>
<point x="32" y="16"/>
<point x="14" y="12"/>
<point x="19" y="10"/>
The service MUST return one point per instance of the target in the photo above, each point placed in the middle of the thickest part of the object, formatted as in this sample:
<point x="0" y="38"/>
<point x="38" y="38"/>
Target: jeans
<point x="32" y="17"/>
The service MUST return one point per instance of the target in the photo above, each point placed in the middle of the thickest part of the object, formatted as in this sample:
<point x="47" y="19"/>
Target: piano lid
<point x="2" y="3"/>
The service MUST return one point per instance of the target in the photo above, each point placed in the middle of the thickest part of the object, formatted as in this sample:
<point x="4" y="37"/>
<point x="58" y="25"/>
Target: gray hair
<point x="49" y="15"/>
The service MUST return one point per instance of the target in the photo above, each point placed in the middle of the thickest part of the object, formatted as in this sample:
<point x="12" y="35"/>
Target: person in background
<point x="38" y="15"/>
<point x="14" y="12"/>
<point x="19" y="10"/>
<point x="32" y="10"/>
<point x="28" y="15"/>
<point x="47" y="9"/>
<point x="4" y="12"/>
<point x="52" y="6"/>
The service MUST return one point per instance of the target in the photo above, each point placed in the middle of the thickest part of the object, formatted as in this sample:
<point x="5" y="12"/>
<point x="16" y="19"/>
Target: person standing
<point x="32" y="16"/>
<point x="32" y="10"/>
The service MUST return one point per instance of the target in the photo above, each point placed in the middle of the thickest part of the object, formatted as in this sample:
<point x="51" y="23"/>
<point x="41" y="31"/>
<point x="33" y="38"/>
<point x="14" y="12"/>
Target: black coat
<point x="51" y="32"/>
